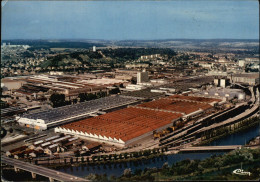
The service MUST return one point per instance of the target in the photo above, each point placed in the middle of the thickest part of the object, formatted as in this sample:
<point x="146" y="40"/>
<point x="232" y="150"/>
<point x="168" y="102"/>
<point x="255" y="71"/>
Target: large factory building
<point x="130" y="125"/>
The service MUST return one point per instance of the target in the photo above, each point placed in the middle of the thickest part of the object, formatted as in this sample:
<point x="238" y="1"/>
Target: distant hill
<point x="47" y="44"/>
<point x="251" y="46"/>
<point x="88" y="57"/>
<point x="191" y="43"/>
<point x="71" y="59"/>
<point x="163" y="43"/>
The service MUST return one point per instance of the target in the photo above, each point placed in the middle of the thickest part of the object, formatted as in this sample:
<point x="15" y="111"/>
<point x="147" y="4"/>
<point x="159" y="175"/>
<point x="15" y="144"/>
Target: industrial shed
<point x="181" y="104"/>
<point x="126" y="126"/>
<point x="121" y="127"/>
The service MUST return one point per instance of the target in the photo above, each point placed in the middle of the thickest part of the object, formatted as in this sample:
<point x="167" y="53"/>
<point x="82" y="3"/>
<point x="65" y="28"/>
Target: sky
<point x="131" y="20"/>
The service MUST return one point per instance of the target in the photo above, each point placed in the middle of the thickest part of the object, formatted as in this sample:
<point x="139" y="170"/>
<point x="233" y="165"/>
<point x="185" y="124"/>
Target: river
<point x="240" y="138"/>
<point x="117" y="169"/>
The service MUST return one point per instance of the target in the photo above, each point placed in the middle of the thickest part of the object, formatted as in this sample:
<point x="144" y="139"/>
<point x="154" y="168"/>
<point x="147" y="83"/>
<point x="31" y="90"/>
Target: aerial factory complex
<point x="151" y="100"/>
<point x="120" y="91"/>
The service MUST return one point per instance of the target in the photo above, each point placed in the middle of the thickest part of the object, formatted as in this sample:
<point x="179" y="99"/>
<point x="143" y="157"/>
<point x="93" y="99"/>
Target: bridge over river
<point x="43" y="171"/>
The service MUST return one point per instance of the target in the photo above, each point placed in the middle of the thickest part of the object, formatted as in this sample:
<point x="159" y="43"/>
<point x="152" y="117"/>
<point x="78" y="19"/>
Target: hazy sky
<point x="130" y="19"/>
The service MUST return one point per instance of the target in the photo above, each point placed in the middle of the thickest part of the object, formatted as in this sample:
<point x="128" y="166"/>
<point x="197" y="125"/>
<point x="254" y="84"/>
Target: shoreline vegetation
<point x="117" y="158"/>
<point x="212" y="168"/>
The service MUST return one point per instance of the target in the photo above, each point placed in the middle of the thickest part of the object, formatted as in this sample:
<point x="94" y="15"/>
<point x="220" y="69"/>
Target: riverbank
<point x="104" y="160"/>
<point x="117" y="169"/>
<point x="212" y="168"/>
<point x="256" y="122"/>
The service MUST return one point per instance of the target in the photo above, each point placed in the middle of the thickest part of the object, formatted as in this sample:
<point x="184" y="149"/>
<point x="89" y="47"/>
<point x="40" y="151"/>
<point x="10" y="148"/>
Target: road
<point x="247" y="113"/>
<point x="211" y="148"/>
<point x="60" y="176"/>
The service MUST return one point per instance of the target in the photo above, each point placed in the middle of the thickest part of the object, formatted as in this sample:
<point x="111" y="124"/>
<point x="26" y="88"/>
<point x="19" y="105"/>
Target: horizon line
<point x="131" y="39"/>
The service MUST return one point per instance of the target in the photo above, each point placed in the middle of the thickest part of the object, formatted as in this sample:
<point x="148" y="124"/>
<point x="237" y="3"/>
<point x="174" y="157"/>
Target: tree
<point x="101" y="94"/>
<point x="82" y="97"/>
<point x="114" y="91"/>
<point x="10" y="130"/>
<point x="75" y="101"/>
<point x="3" y="104"/>
<point x="138" y="172"/>
<point x="125" y="155"/>
<point x="91" y="177"/>
<point x="86" y="97"/>
<point x="127" y="172"/>
<point x="93" y="158"/>
<point x="91" y="96"/>
<point x="57" y="100"/>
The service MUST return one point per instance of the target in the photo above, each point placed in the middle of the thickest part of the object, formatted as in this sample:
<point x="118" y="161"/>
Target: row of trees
<point x="130" y="156"/>
<point x="58" y="100"/>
